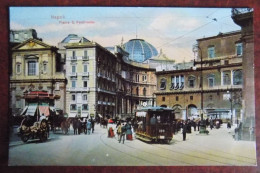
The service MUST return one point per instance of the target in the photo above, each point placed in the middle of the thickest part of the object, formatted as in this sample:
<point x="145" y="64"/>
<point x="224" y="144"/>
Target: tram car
<point x="154" y="124"/>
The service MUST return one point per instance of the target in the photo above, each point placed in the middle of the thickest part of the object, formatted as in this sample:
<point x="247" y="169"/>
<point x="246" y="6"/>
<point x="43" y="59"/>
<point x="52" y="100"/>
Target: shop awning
<point x="31" y="110"/>
<point x="44" y="110"/>
<point x="24" y="110"/>
<point x="141" y="114"/>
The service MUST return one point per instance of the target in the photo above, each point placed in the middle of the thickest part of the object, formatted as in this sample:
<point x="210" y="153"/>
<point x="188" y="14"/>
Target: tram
<point x="154" y="124"/>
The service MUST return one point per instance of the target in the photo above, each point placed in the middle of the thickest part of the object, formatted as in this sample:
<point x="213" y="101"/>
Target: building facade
<point x="35" y="67"/>
<point x="244" y="18"/>
<point x="211" y="86"/>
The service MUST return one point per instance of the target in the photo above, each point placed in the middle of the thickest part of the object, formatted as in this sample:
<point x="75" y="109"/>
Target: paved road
<point x="217" y="148"/>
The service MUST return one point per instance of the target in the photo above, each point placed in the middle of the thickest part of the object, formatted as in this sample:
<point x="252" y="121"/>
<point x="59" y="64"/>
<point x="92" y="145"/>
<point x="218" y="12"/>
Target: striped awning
<point x="31" y="110"/>
<point x="44" y="110"/>
<point x="24" y="110"/>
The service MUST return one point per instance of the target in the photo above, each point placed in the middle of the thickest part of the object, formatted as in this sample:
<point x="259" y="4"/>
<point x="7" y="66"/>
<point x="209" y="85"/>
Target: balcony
<point x="85" y="74"/>
<point x="100" y="102"/>
<point x="106" y="91"/>
<point x="73" y="58"/>
<point x="84" y="89"/>
<point x="72" y="89"/>
<point x="85" y="58"/>
<point x="72" y="74"/>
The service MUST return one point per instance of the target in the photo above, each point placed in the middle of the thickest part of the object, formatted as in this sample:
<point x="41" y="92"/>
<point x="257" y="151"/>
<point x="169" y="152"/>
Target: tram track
<point x="143" y="151"/>
<point x="238" y="158"/>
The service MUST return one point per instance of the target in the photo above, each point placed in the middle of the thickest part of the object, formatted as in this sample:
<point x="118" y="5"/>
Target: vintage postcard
<point x="131" y="86"/>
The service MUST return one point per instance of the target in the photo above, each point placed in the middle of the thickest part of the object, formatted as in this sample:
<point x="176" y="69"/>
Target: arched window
<point x="211" y="80"/>
<point x="191" y="81"/>
<point x="144" y="91"/>
<point x="163" y="84"/>
<point x="226" y="78"/>
<point x="237" y="77"/>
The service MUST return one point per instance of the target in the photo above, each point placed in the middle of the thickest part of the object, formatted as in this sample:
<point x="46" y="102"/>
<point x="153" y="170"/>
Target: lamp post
<point x="195" y="50"/>
<point x="231" y="105"/>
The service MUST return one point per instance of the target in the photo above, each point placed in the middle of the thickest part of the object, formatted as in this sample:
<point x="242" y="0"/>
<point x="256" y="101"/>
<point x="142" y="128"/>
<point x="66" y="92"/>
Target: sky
<point x="172" y="30"/>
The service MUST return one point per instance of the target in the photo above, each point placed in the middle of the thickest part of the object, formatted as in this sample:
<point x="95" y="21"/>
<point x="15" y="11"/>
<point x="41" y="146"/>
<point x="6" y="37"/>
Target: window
<point x="211" y="80"/>
<point x="163" y="84"/>
<point x="163" y="99"/>
<point x="226" y="62"/>
<point x="144" y="91"/>
<point x="137" y="91"/>
<point x="237" y="77"/>
<point x="18" y="68"/>
<point x="73" y="107"/>
<point x="45" y="67"/>
<point x="137" y="78"/>
<point x="73" y="69"/>
<point x="191" y="97"/>
<point x="182" y="82"/>
<point x="210" y="97"/>
<point x="211" y="52"/>
<point x="226" y="78"/>
<point x="73" y="55"/>
<point x="73" y="84"/>
<point x="144" y="78"/>
<point x="177" y="98"/>
<point x="85" y="84"/>
<point x="86" y="53"/>
<point x="85" y="68"/>
<point x="85" y="97"/>
<point x="173" y="82"/>
<point x="239" y="49"/>
<point x="73" y="97"/>
<point x="191" y="80"/>
<point x="31" y="68"/>
<point x="85" y="107"/>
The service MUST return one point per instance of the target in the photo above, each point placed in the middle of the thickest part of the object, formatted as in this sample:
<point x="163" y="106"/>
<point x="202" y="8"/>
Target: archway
<point x="192" y="111"/>
<point x="177" y="111"/>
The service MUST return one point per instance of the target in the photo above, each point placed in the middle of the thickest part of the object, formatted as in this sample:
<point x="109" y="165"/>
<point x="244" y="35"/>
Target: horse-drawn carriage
<point x="58" y="120"/>
<point x="39" y="129"/>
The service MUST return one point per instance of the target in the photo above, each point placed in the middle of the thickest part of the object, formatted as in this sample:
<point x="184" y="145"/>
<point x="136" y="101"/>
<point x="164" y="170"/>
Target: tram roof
<point x="154" y="109"/>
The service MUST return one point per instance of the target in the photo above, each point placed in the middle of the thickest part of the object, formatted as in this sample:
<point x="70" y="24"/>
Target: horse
<point x="65" y="126"/>
<point x="103" y="123"/>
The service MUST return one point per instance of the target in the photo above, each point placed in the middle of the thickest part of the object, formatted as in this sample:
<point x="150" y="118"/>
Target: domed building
<point x="139" y="50"/>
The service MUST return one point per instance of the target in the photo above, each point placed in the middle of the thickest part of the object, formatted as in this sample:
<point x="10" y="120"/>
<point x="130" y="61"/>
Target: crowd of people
<point x="81" y="125"/>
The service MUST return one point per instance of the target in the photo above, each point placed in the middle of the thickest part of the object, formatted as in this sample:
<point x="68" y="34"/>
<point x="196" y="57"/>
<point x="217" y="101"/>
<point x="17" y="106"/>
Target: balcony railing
<point x="85" y="58"/>
<point x="85" y="74"/>
<point x="72" y="74"/>
<point x="84" y="89"/>
<point x="73" y="58"/>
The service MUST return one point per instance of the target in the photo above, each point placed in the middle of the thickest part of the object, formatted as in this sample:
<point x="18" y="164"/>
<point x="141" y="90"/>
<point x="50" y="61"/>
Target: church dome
<point x="139" y="50"/>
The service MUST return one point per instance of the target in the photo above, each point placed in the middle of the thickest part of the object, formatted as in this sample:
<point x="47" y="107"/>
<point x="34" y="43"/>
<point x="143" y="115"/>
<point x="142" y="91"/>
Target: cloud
<point x="170" y="21"/>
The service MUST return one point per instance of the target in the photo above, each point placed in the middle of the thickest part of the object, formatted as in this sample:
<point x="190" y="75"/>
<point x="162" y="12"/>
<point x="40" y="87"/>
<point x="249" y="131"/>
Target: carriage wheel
<point x="25" y="138"/>
<point x="43" y="136"/>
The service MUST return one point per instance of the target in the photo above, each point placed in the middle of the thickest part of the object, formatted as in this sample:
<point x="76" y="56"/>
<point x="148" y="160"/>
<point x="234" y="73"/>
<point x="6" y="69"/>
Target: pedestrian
<point x="211" y="123"/>
<point x="194" y="125"/>
<point x="79" y="126"/>
<point x="122" y="134"/>
<point x="199" y="125"/>
<point x="92" y="124"/>
<point x="128" y="131"/>
<point x="75" y="127"/>
<point x="89" y="126"/>
<point x="118" y="126"/>
<point x="184" y="130"/>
